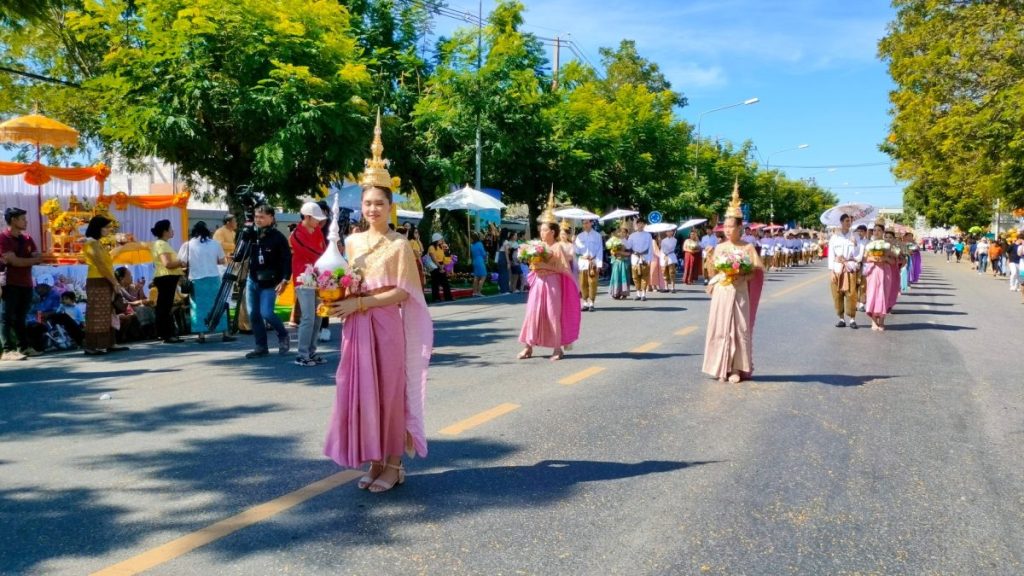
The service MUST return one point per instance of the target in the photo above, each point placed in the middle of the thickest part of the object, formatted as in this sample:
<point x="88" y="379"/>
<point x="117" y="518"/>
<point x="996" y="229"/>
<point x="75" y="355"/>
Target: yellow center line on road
<point x="581" y="375"/>
<point x="645" y="348"/>
<point x="686" y="331"/>
<point x="481" y="418"/>
<point x="803" y="284"/>
<point x="189" y="542"/>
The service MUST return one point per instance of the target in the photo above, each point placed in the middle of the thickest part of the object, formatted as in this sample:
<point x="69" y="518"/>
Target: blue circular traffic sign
<point x="654" y="217"/>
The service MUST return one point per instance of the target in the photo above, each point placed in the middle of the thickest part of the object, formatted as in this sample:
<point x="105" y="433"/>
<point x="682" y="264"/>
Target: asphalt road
<point x="852" y="452"/>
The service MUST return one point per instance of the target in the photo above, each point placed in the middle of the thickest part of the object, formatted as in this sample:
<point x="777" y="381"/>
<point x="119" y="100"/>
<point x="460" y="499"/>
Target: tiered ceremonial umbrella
<point x="39" y="131"/>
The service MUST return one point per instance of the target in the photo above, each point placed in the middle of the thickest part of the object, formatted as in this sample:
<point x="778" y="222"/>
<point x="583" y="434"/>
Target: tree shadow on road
<point x="642" y="306"/>
<point x="842" y="380"/>
<point x="926" y="326"/>
<point x="625" y="356"/>
<point x="904" y="311"/>
<point x="351" y="518"/>
<point x="43" y="524"/>
<point x="57" y="403"/>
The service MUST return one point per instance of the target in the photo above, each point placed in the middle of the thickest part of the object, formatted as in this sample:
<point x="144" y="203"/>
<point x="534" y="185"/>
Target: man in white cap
<point x="438" y="257"/>
<point x="590" y="259"/>
<point x="308" y="244"/>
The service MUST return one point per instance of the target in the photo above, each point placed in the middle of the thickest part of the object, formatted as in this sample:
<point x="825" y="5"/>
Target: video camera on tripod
<point x="249" y="199"/>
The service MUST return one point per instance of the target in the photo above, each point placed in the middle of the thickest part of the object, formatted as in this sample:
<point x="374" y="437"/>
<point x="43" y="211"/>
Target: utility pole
<point x="554" y="79"/>
<point x="479" y="65"/>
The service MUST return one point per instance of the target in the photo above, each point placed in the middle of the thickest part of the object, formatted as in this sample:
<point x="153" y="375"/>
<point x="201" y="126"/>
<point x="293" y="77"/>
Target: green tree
<point x="507" y="98"/>
<point x="958" y="126"/>
<point x="257" y="92"/>
<point x="615" y="139"/>
<point x="389" y="34"/>
<point x="42" y="64"/>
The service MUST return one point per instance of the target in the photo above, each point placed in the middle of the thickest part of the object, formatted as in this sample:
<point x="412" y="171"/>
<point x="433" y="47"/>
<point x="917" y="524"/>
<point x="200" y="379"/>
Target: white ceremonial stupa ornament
<point x="330" y="265"/>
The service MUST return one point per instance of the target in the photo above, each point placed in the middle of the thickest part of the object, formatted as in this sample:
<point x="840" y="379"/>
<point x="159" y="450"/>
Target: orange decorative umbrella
<point x="38" y="130"/>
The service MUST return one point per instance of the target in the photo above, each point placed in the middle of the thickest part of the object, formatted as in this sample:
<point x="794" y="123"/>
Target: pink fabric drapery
<point x="376" y="344"/>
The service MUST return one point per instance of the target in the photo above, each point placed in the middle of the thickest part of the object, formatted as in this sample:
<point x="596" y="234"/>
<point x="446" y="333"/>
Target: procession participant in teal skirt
<point x="618" y="285"/>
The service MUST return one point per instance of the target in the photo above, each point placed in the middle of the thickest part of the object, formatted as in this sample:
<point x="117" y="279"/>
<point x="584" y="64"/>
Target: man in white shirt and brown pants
<point x="590" y="259"/>
<point x="842" y="266"/>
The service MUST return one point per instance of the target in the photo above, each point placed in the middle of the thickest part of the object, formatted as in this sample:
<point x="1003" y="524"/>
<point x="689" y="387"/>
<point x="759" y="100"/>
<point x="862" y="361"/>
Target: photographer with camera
<point x="269" y="271"/>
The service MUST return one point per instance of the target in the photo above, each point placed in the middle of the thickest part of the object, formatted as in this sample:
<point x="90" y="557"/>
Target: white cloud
<point x="693" y="75"/>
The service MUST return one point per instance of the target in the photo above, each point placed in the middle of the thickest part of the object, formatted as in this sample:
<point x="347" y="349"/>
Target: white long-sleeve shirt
<point x="640" y="244"/>
<point x="589" y="246"/>
<point x="841" y="250"/>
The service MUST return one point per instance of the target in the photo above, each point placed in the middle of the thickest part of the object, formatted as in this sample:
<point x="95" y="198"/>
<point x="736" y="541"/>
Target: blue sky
<point x="813" y="65"/>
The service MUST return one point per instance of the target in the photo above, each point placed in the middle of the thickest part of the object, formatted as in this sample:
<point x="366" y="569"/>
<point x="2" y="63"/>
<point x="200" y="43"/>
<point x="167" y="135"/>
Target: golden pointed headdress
<point x="548" y="215"/>
<point x="376" y="173"/>
<point x="564" y="225"/>
<point x="735" y="209"/>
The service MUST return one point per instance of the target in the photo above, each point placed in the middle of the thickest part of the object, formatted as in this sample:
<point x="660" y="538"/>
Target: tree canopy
<point x="280" y="94"/>
<point x="958" y="125"/>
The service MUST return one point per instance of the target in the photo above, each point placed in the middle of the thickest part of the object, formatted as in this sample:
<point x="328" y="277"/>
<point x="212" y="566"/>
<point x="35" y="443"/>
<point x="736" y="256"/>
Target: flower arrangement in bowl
<point x="331" y="285"/>
<point x="878" y="249"/>
<point x="533" y="252"/>
<point x="732" y="264"/>
<point x="615" y="244"/>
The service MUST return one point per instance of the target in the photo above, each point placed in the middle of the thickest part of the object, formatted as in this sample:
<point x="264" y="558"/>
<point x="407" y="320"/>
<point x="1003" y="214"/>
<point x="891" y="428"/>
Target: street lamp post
<point x="768" y="167"/>
<point x="700" y="119"/>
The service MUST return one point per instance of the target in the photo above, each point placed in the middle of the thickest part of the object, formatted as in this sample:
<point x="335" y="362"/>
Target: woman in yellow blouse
<point x="417" y="249"/>
<point x="100" y="285"/>
<point x="165" y="277"/>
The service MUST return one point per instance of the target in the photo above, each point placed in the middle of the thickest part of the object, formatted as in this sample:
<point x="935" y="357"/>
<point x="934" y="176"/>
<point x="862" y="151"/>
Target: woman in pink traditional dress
<point x="553" y="307"/>
<point x="388" y="335"/>
<point x="895" y="266"/>
<point x="728" y="349"/>
<point x="877" y="280"/>
<point x="657" y="279"/>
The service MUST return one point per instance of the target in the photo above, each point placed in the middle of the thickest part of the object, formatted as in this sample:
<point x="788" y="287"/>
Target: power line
<point x="441" y="10"/>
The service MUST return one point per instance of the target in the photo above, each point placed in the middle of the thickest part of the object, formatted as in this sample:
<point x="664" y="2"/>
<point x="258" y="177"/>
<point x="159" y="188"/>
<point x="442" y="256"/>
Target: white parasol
<point x="618" y="213"/>
<point x="692" y="222"/>
<point x="659" y="227"/>
<point x="573" y="213"/>
<point x="858" y="211"/>
<point x="466" y="199"/>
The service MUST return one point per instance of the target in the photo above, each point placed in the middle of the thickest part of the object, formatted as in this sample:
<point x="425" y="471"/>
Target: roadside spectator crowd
<point x="999" y="257"/>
